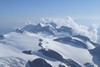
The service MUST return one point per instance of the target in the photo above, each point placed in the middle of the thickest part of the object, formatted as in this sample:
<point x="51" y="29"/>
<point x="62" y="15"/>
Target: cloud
<point x="94" y="31"/>
<point x="91" y="32"/>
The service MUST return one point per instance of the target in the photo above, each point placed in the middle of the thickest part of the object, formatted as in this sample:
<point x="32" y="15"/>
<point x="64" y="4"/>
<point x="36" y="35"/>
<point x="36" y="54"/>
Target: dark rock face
<point x="76" y="43"/>
<point x="52" y="54"/>
<point x="58" y="57"/>
<point x="19" y="30"/>
<point x="95" y="44"/>
<point x="84" y="38"/>
<point x="96" y="51"/>
<point x="65" y="39"/>
<point x="27" y="52"/>
<point x="79" y="43"/>
<point x="88" y="65"/>
<point x="38" y="63"/>
<point x="71" y="63"/>
<point x="60" y="65"/>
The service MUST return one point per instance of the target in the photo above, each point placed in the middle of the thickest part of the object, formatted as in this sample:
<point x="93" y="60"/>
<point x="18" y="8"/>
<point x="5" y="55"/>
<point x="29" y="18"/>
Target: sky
<point x="15" y="13"/>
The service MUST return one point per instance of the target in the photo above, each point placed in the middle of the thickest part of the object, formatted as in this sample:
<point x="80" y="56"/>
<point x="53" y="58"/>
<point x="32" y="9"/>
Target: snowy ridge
<point x="90" y="32"/>
<point x="44" y="42"/>
<point x="20" y="43"/>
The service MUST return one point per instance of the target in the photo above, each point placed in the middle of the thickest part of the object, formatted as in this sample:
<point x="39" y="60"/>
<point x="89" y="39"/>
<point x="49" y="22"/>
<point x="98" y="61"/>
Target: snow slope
<point x="57" y="46"/>
<point x="14" y="43"/>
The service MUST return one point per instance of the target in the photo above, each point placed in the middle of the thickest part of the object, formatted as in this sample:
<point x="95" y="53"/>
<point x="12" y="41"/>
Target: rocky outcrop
<point x="39" y="62"/>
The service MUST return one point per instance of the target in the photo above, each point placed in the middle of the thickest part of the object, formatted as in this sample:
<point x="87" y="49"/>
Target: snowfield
<point x="14" y="43"/>
<point x="21" y="47"/>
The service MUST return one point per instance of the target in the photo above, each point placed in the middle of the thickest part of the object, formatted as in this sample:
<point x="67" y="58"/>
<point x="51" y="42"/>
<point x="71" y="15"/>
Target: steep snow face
<point x="15" y="43"/>
<point x="90" y="32"/>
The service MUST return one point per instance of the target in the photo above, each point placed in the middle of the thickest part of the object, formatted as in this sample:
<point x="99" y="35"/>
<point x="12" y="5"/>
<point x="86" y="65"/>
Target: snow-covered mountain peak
<point x="68" y="22"/>
<point x="51" y="42"/>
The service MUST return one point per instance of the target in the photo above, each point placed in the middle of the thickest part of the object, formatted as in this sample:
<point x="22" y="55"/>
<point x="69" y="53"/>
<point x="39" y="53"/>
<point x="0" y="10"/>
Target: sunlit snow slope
<point x="47" y="45"/>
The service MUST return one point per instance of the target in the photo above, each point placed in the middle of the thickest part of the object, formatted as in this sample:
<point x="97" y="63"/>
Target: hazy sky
<point x="14" y="13"/>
